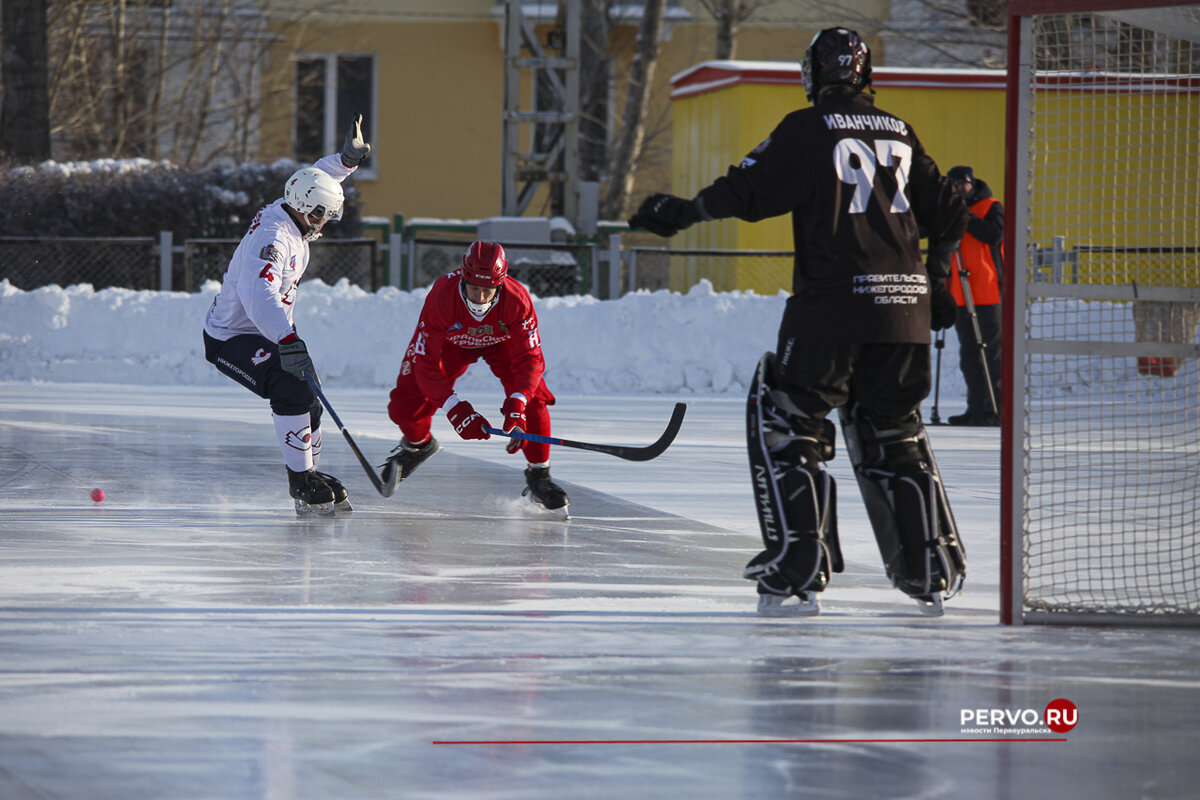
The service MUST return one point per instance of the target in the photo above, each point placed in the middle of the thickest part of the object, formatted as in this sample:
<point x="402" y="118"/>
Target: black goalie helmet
<point x="836" y="55"/>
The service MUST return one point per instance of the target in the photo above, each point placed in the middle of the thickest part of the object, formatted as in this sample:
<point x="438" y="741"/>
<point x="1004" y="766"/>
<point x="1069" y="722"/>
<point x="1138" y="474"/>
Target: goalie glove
<point x="355" y="148"/>
<point x="666" y="214"/>
<point x="942" y="308"/>
<point x="939" y="260"/>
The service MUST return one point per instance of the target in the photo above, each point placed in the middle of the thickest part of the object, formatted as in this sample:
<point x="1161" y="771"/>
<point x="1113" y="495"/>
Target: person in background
<point x="982" y="256"/>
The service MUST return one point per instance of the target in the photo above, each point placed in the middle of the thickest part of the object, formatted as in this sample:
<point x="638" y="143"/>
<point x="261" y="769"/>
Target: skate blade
<point x="343" y="506"/>
<point x="931" y="607"/>
<point x="773" y="605"/>
<point x="304" y="509"/>
<point x="554" y="513"/>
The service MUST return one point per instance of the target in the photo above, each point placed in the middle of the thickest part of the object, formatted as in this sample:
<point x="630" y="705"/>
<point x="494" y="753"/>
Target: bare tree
<point x="729" y="15"/>
<point x="595" y="69"/>
<point x="946" y="33"/>
<point x="164" y="79"/>
<point x="628" y="149"/>
<point x="25" y="116"/>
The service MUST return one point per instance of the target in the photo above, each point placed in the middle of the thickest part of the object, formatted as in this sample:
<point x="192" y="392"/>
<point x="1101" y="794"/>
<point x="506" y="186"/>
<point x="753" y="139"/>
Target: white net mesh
<point x="1111" y="301"/>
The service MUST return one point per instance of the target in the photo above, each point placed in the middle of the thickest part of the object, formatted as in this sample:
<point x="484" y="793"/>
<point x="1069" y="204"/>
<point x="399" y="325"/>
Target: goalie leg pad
<point x="795" y="499"/>
<point x="906" y="503"/>
<point x="805" y="551"/>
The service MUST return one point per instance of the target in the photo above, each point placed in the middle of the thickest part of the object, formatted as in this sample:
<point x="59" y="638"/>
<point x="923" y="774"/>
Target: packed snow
<point x="701" y="342"/>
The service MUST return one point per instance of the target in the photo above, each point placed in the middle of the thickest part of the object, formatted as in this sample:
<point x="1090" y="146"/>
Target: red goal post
<point x="1100" y="460"/>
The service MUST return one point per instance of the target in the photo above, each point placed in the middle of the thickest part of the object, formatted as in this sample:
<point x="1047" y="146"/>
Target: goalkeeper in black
<point x="855" y="333"/>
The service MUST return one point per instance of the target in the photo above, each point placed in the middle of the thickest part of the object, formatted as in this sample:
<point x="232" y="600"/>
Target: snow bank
<point x="701" y="342"/>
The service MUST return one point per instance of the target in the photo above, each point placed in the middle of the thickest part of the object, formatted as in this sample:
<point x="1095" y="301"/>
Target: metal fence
<point x="149" y="263"/>
<point x="357" y="260"/>
<point x="29" y="263"/>
<point x="761" y="271"/>
<point x="548" y="270"/>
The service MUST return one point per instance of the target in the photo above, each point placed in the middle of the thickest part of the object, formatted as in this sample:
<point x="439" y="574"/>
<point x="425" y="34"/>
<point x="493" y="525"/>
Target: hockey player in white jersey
<point x="249" y="334"/>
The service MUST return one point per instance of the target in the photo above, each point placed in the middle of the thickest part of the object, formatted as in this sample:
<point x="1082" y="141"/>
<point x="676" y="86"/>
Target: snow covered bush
<point x="138" y="197"/>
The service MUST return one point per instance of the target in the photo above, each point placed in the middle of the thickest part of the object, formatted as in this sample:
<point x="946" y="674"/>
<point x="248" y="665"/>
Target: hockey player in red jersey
<point x="475" y="312"/>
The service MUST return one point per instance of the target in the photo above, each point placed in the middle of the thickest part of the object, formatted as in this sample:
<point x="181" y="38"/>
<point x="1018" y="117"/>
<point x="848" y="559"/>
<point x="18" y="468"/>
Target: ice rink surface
<point x="189" y="637"/>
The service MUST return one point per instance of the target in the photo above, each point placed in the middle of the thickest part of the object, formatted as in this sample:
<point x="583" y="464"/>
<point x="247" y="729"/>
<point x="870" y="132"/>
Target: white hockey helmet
<point x="313" y="193"/>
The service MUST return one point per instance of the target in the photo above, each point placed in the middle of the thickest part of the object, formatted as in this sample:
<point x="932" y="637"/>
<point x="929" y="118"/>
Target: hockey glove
<point x="665" y="214"/>
<point x="942" y="308"/>
<point x="467" y="422"/>
<point x="355" y="148"/>
<point x="514" y="417"/>
<point x="294" y="358"/>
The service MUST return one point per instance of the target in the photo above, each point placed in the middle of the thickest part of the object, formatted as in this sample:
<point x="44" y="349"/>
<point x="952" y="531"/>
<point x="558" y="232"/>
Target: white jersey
<point x="258" y="289"/>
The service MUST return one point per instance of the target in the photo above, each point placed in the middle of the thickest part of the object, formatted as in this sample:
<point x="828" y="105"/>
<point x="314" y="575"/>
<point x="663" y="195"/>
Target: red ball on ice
<point x="97" y="495"/>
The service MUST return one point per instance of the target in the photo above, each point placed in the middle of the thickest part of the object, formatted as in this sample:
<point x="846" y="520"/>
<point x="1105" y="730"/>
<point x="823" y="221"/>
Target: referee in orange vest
<point x="983" y="257"/>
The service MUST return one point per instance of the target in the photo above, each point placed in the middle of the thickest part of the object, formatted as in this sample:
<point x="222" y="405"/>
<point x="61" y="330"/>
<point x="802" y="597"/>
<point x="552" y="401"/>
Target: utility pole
<point x="547" y="150"/>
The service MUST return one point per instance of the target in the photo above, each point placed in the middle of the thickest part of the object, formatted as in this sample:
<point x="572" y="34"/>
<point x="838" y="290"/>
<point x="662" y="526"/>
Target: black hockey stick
<point x="620" y="451"/>
<point x="963" y="275"/>
<point x="939" y="343"/>
<point x="384" y="489"/>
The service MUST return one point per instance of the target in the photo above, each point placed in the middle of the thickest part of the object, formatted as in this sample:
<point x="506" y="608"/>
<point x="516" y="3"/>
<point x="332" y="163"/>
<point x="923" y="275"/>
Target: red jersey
<point x="506" y="337"/>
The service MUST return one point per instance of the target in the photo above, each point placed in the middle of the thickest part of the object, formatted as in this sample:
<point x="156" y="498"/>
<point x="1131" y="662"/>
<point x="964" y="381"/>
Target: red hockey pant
<point x="410" y="409"/>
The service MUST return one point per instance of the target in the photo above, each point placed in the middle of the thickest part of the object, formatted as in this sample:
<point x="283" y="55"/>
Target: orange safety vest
<point x="977" y="258"/>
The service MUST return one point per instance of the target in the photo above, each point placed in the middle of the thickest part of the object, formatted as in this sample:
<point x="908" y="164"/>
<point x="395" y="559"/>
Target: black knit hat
<point x="961" y="174"/>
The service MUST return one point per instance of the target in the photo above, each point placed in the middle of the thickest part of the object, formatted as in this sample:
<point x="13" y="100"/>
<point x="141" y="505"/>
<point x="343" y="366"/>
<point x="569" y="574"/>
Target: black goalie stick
<point x="626" y="452"/>
<point x="384" y="489"/>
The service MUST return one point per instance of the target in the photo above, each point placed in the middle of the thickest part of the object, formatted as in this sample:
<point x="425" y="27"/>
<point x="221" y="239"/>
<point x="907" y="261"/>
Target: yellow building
<point x="432" y="74"/>
<point x="723" y="109"/>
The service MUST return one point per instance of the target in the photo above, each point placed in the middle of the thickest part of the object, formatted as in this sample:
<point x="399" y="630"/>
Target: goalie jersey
<point x="861" y="190"/>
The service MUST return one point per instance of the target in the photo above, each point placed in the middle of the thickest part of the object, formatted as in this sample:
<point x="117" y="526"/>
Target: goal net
<point x="1102" y="367"/>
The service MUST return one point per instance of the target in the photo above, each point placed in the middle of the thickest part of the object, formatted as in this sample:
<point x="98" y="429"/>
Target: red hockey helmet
<point x="484" y="264"/>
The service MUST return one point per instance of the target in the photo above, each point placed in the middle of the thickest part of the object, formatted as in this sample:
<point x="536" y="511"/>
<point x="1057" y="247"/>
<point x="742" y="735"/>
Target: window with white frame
<point x="330" y="89"/>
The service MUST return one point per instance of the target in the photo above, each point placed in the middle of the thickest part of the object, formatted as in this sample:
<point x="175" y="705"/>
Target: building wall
<point x="438" y="113"/>
<point x="438" y="146"/>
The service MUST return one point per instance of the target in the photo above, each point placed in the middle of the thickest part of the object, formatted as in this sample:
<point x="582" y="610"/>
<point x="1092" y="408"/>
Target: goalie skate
<point x="796" y="506"/>
<point x="930" y="605"/>
<point x="776" y="605"/>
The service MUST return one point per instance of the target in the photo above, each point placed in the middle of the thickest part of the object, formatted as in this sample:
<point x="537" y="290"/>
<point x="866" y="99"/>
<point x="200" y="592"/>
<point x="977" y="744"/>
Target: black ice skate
<point x="406" y="457"/>
<point x="544" y="491"/>
<point x="341" y="498"/>
<point x="312" y="495"/>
